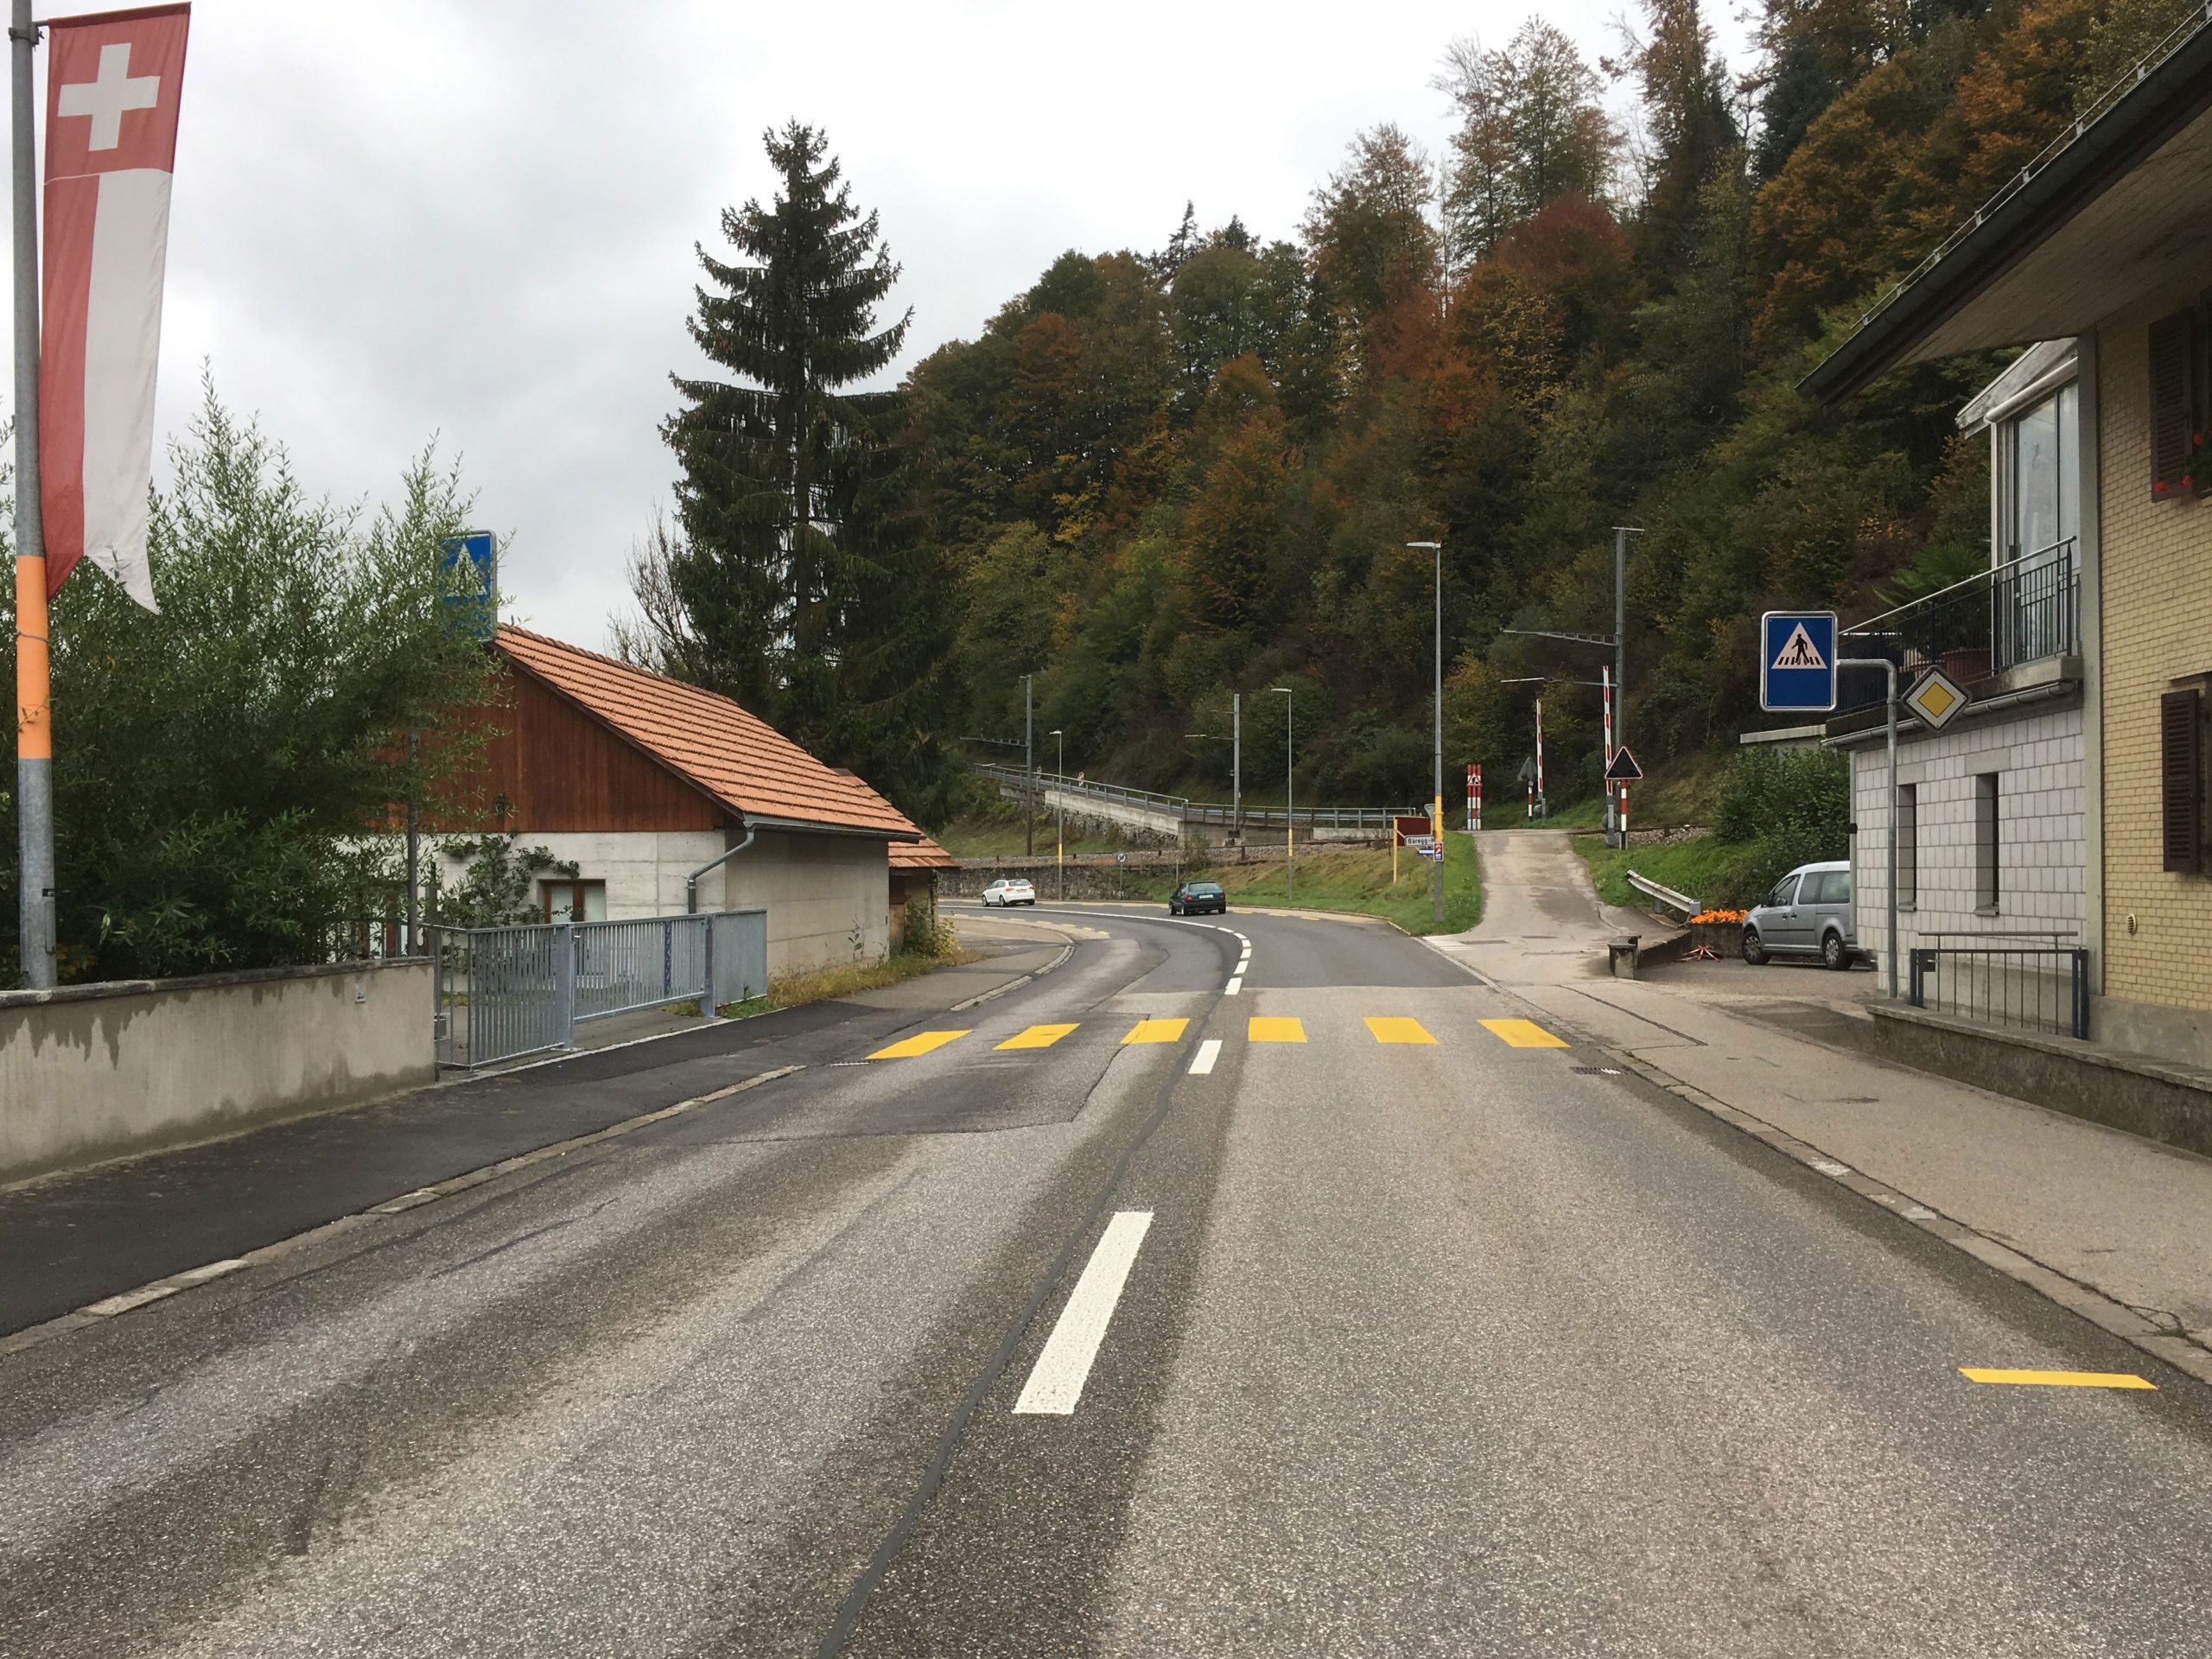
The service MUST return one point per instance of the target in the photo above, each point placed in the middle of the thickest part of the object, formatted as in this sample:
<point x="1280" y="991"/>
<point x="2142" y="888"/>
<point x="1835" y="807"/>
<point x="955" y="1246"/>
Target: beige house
<point x="2099" y="257"/>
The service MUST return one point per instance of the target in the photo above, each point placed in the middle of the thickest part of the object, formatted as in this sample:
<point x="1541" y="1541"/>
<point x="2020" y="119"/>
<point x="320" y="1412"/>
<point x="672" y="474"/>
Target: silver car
<point x="1806" y="913"/>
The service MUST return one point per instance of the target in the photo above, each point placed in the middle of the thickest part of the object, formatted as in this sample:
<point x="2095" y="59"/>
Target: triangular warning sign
<point x="1624" y="769"/>
<point x="1800" y="652"/>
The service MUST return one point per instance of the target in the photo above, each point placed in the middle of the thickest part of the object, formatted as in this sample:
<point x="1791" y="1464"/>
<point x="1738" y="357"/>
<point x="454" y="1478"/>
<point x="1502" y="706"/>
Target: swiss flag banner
<point x="113" y="83"/>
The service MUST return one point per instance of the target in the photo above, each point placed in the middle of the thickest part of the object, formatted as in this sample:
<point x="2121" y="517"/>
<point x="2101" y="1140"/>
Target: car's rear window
<point x="1206" y="889"/>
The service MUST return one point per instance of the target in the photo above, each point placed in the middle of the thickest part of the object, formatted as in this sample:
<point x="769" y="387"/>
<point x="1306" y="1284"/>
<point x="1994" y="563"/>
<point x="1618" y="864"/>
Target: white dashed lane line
<point x="1209" y="1051"/>
<point x="1057" y="1382"/>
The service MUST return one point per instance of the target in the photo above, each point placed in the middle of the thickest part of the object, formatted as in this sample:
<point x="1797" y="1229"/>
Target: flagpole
<point x="34" y="683"/>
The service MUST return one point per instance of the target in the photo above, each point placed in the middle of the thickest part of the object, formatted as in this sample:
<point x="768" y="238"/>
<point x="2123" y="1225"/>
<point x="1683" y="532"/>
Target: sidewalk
<point x="75" y="1238"/>
<point x="1789" y="1048"/>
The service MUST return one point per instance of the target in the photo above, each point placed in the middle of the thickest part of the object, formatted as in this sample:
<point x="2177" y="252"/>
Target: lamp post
<point x="1028" y="766"/>
<point x="1290" y="785"/>
<point x="1060" y="824"/>
<point x="1436" y="794"/>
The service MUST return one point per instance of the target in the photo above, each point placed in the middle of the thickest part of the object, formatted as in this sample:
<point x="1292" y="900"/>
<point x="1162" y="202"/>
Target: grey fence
<point x="506" y="992"/>
<point x="2028" y="981"/>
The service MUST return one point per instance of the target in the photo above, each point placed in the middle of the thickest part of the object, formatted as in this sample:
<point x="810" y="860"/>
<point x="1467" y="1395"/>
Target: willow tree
<point x="804" y="597"/>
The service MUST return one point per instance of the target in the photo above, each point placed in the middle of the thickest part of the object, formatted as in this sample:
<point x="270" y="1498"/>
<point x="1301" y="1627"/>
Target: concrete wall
<point x="644" y="869"/>
<point x="88" y="1072"/>
<point x="818" y="889"/>
<point x="2037" y="755"/>
<point x="828" y="896"/>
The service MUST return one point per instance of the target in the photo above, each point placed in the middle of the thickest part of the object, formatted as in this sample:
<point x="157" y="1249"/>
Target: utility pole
<point x="1621" y="533"/>
<point x="34" y="673"/>
<point x="1236" y="766"/>
<point x="1060" y="846"/>
<point x="1289" y="787"/>
<point x="1436" y="791"/>
<point x="1028" y="766"/>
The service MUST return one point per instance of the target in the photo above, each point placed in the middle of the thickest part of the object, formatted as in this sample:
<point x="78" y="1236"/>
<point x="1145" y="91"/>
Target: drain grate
<point x="1598" y="1070"/>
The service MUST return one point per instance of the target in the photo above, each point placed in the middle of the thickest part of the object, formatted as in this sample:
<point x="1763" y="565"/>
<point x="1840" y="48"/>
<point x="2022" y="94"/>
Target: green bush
<point x="1783" y="810"/>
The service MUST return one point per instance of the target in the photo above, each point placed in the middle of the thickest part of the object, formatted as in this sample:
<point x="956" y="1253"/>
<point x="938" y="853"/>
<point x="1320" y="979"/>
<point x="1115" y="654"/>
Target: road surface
<point x="1274" y="1285"/>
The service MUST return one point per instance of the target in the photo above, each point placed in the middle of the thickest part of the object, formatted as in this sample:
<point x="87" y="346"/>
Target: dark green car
<point x="1197" y="898"/>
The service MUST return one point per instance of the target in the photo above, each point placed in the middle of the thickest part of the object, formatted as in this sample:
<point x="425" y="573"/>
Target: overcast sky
<point x="474" y="219"/>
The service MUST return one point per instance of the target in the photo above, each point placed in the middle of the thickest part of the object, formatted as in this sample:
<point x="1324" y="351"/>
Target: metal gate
<point x="505" y="992"/>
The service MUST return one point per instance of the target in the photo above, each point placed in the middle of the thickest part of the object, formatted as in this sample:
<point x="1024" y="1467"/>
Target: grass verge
<point x="1357" y="881"/>
<point x="822" y="984"/>
<point x="1705" y="869"/>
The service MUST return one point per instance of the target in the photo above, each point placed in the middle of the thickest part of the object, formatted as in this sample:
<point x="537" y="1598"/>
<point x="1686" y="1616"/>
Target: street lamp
<point x="1290" y="785"/>
<point x="1436" y="799"/>
<point x="1060" y="848"/>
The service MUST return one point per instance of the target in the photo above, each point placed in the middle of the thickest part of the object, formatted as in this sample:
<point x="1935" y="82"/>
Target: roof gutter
<point x="2012" y="223"/>
<point x="691" y="881"/>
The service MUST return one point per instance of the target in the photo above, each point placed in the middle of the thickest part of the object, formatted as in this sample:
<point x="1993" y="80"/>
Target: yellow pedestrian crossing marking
<point x="2057" y="1379"/>
<point x="1036" y="1036"/>
<point x="1397" y="1029"/>
<point x="1274" y="1028"/>
<point x="1522" y="1034"/>
<point x="1155" y="1031"/>
<point x="920" y="1043"/>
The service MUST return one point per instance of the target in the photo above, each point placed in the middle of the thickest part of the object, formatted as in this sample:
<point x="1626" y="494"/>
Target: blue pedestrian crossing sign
<point x="1797" y="662"/>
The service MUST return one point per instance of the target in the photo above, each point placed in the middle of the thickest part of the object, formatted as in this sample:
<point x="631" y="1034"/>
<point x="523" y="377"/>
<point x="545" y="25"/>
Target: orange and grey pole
<point x="33" y="668"/>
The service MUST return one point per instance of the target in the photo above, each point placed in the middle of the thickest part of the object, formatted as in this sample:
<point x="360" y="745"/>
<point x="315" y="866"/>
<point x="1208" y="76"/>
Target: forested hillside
<point x="1159" y="477"/>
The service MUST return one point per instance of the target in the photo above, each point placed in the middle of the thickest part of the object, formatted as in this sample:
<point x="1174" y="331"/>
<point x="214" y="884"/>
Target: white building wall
<point x="828" y="896"/>
<point x="2037" y="756"/>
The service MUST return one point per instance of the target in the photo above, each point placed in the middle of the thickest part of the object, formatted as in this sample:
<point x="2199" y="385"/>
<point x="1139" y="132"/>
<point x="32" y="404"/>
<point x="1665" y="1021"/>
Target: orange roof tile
<point x="923" y="855"/>
<point x="734" y="756"/>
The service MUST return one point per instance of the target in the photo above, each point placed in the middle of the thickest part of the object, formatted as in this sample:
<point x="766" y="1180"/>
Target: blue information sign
<point x="475" y="606"/>
<point x="1797" y="662"/>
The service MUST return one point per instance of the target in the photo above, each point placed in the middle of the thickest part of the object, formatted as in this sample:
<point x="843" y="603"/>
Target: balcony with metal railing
<point x="2021" y="611"/>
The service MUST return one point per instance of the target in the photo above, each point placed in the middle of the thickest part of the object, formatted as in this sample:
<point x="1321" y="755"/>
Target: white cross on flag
<point x="113" y="84"/>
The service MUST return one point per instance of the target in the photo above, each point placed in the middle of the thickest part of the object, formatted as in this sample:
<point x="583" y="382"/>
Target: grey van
<point x="1806" y="913"/>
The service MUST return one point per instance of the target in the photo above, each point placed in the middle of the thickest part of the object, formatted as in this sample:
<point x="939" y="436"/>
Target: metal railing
<point x="2026" y="982"/>
<point x="506" y="992"/>
<point x="2028" y="607"/>
<point x="1185" y="810"/>
<point x="1664" y="895"/>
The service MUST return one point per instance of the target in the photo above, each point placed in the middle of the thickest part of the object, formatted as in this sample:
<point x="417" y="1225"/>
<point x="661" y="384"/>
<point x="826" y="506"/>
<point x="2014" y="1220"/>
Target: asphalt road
<point x="1310" y="1342"/>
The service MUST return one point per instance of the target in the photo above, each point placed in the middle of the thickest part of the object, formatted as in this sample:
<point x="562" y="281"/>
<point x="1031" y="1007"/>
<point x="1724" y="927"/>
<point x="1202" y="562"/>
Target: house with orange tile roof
<point x="643" y="783"/>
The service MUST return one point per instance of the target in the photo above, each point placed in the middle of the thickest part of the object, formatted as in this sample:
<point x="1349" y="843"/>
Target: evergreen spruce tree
<point x="807" y="599"/>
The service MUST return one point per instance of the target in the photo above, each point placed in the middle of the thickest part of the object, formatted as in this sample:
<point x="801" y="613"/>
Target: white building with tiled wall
<point x="1993" y="808"/>
<point x="1952" y="880"/>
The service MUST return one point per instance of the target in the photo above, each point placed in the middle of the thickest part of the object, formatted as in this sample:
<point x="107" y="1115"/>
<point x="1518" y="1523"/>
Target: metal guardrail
<point x="1185" y="810"/>
<point x="506" y="992"/>
<point x="2028" y="981"/>
<point x="1666" y="896"/>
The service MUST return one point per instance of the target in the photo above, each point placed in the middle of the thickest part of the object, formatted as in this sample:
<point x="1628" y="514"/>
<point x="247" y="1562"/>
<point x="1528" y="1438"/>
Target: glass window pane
<point x="2035" y="479"/>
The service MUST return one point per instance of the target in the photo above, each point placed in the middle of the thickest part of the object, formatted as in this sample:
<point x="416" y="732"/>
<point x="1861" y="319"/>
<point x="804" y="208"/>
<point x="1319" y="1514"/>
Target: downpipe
<point x="691" y="881"/>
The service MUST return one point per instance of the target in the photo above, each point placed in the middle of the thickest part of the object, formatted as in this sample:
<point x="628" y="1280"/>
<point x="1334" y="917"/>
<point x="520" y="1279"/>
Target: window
<point x="1907" y="846"/>
<point x="1827" y="888"/>
<point x="1986" y="883"/>
<point x="2043" y="468"/>
<point x="565" y="901"/>
<point x="1784" y="893"/>
<point x="2181" y="781"/>
<point x="2039" y="530"/>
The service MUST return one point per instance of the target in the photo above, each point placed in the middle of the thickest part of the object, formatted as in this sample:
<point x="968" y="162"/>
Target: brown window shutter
<point x="2181" y="781"/>
<point x="2173" y="403"/>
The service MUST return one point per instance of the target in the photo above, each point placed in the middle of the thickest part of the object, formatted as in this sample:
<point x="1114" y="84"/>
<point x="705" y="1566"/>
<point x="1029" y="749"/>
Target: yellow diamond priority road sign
<point x="1936" y="698"/>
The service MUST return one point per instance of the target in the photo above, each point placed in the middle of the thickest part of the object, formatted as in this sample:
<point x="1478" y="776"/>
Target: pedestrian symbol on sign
<point x="1800" y="652"/>
<point x="1797" y="651"/>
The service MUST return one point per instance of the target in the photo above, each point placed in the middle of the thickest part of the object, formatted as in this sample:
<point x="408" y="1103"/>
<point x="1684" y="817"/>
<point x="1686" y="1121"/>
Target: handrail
<point x="1182" y="806"/>
<point x="1992" y="575"/>
<point x="1665" y="895"/>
